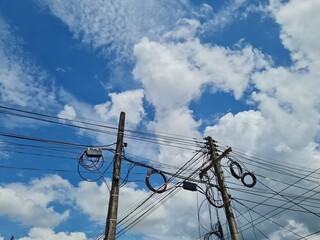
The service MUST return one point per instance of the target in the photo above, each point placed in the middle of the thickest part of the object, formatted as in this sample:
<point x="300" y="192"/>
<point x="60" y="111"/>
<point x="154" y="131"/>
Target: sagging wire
<point x="125" y="180"/>
<point x="268" y="219"/>
<point x="163" y="139"/>
<point x="159" y="201"/>
<point x="216" y="229"/>
<point x="214" y="198"/>
<point x="251" y="220"/>
<point x="152" y="171"/>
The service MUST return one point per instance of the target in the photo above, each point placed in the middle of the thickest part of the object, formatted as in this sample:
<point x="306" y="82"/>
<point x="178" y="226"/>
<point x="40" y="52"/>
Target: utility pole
<point x="225" y="196"/>
<point x="111" y="223"/>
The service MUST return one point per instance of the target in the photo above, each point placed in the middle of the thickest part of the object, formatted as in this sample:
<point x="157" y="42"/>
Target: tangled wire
<point x="89" y="162"/>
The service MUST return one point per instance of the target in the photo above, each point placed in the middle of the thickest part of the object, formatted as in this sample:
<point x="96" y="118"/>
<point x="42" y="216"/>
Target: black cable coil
<point x="233" y="172"/>
<point x="163" y="187"/>
<point x="254" y="179"/>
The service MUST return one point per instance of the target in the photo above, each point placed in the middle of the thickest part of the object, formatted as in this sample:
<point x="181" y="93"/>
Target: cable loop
<point x="211" y="199"/>
<point x="254" y="179"/>
<point x="163" y="187"/>
<point x="236" y="174"/>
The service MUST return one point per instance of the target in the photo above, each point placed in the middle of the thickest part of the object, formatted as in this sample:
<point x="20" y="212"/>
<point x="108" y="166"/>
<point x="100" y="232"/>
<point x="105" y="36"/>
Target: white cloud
<point x="179" y="121"/>
<point x="92" y="199"/>
<point x="287" y="96"/>
<point x="244" y="130"/>
<point x="229" y="13"/>
<point x="287" y="122"/>
<point x="22" y="82"/>
<point x="185" y="30"/>
<point x="174" y="74"/>
<point x="299" y="21"/>
<point x="295" y="227"/>
<point x="48" y="234"/>
<point x="29" y="203"/>
<point x="68" y="112"/>
<point x="175" y="219"/>
<point x="130" y="102"/>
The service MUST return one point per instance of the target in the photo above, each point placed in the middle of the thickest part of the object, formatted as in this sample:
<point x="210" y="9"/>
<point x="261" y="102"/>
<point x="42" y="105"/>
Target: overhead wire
<point x="269" y="219"/>
<point x="277" y="213"/>
<point x="160" y="200"/>
<point x="190" y="144"/>
<point x="170" y="140"/>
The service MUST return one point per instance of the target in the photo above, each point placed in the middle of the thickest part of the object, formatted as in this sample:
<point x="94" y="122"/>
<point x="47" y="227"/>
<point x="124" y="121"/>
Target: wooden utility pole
<point x="111" y="223"/>
<point x="225" y="196"/>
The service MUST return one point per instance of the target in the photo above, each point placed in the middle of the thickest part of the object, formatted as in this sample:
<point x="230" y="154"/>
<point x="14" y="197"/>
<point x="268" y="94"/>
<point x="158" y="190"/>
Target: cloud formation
<point x="21" y="81"/>
<point x="175" y="67"/>
<point x="116" y="26"/>
<point x="29" y="204"/>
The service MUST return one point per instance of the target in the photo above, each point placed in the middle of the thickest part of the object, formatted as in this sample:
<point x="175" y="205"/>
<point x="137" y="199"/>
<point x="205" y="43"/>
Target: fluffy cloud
<point x="29" y="203"/>
<point x="287" y="96"/>
<point x="245" y="130"/>
<point x="130" y="102"/>
<point x="46" y="233"/>
<point x="90" y="195"/>
<point x="300" y="37"/>
<point x="174" y="74"/>
<point x="169" y="220"/>
<point x="26" y="203"/>
<point x="68" y="112"/>
<point x="175" y="121"/>
<point x="296" y="228"/>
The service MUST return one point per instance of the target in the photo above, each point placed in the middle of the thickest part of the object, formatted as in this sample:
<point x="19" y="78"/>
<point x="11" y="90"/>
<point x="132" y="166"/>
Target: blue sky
<point x="245" y="73"/>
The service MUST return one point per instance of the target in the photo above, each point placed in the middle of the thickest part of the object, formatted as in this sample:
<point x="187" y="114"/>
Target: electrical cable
<point x="43" y="140"/>
<point x="156" y="204"/>
<point x="164" y="140"/>
<point x="163" y="187"/>
<point x="233" y="172"/>
<point x="270" y="219"/>
<point x="254" y="179"/>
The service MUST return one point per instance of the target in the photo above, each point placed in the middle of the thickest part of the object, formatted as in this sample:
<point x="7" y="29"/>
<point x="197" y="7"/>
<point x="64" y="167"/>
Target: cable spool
<point x="163" y="187"/>
<point x="211" y="199"/>
<point x="254" y="179"/>
<point x="236" y="174"/>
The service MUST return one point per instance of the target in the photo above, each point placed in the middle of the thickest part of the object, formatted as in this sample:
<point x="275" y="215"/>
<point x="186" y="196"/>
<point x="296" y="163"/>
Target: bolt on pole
<point x="225" y="196"/>
<point x="111" y="223"/>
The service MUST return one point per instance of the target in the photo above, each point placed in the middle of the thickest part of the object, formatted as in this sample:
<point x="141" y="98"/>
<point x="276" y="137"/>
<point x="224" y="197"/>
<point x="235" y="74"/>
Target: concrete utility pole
<point x="111" y="224"/>
<point x="225" y="196"/>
